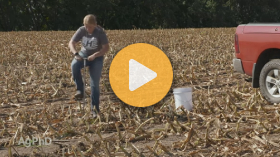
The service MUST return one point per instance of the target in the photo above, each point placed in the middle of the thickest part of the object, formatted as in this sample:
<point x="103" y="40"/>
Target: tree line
<point x="24" y="15"/>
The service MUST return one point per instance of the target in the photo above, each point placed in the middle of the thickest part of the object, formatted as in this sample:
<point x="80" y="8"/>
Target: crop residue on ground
<point x="229" y="117"/>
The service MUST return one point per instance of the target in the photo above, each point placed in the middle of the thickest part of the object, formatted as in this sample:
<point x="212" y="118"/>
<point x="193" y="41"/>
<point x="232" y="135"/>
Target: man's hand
<point x="79" y="58"/>
<point x="91" y="57"/>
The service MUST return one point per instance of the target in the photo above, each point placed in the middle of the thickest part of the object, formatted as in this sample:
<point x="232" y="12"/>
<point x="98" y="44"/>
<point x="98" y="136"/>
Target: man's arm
<point x="74" y="40"/>
<point x="72" y="46"/>
<point x="102" y="52"/>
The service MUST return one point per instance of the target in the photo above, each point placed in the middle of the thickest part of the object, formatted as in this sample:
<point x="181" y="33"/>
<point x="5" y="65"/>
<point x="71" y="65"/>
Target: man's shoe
<point x="79" y="95"/>
<point x="94" y="115"/>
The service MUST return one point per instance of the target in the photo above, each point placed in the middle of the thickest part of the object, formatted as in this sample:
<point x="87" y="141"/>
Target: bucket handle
<point x="185" y="100"/>
<point x="181" y="92"/>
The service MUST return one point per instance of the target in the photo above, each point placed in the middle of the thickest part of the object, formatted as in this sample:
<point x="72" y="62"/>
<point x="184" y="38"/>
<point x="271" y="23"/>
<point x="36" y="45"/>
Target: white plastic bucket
<point x="183" y="97"/>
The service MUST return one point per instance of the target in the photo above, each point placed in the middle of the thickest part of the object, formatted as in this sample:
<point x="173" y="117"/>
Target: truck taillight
<point x="236" y="44"/>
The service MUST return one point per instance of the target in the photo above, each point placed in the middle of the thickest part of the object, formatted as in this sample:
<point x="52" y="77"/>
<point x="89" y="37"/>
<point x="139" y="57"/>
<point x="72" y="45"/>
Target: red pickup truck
<point x="257" y="54"/>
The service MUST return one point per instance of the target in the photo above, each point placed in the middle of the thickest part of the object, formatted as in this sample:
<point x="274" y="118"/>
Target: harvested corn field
<point x="229" y="117"/>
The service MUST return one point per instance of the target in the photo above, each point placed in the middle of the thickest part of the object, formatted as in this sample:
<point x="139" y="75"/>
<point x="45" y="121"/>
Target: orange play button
<point x="141" y="75"/>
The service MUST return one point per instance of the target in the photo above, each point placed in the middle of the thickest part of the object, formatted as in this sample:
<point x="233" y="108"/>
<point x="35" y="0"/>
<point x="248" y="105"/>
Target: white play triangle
<point x="139" y="75"/>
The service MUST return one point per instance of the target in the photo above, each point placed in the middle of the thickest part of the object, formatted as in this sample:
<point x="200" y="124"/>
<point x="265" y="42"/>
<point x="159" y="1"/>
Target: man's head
<point x="90" y="22"/>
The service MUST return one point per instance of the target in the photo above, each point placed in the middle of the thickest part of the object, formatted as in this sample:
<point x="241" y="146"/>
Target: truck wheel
<point x="270" y="81"/>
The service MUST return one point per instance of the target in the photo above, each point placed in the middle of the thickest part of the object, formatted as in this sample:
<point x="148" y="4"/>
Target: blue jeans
<point x="95" y="71"/>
